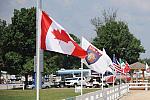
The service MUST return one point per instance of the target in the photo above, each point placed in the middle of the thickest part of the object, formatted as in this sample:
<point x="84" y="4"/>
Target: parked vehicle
<point x="89" y="84"/>
<point x="95" y="82"/>
<point x="123" y="78"/>
<point x="60" y="84"/>
<point x="109" y="78"/>
<point x="72" y="82"/>
<point x="30" y="85"/>
<point x="45" y="85"/>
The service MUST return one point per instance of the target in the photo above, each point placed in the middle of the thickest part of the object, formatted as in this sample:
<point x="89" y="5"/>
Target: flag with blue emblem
<point x="96" y="59"/>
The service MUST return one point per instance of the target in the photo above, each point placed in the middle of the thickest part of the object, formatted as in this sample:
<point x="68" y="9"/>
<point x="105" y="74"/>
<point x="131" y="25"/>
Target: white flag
<point x="96" y="60"/>
<point x="147" y="68"/>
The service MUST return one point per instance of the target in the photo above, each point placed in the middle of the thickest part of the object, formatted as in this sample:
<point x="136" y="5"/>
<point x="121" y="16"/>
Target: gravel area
<point x="137" y="95"/>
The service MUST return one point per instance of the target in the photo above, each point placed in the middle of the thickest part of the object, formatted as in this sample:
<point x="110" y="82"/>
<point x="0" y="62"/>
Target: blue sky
<point x="75" y="15"/>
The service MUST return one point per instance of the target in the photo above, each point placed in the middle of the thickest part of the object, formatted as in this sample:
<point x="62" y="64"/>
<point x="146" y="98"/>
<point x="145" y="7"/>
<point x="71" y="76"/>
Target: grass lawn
<point x="45" y="94"/>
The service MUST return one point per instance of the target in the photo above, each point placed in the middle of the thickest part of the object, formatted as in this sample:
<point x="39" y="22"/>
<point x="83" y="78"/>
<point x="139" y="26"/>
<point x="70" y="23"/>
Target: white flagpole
<point x="120" y="78"/>
<point x="114" y="69"/>
<point x="114" y="78"/>
<point x="102" y="82"/>
<point x="38" y="50"/>
<point x="81" y="77"/>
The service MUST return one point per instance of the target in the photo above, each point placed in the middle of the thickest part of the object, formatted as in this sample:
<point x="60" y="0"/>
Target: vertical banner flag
<point x="55" y="38"/>
<point x="96" y="60"/>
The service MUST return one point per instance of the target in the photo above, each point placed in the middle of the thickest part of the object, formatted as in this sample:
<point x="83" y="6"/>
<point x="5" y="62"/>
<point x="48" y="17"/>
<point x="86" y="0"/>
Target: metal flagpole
<point x="121" y="68"/>
<point x="114" y="81"/>
<point x="38" y="49"/>
<point x="81" y="77"/>
<point x="102" y="82"/>
<point x="120" y="78"/>
<point x="114" y="69"/>
<point x="114" y="77"/>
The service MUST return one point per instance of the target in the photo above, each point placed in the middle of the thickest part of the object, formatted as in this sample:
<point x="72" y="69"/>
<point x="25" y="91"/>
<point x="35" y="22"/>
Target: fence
<point x="112" y="93"/>
<point x="140" y="85"/>
<point x="11" y="86"/>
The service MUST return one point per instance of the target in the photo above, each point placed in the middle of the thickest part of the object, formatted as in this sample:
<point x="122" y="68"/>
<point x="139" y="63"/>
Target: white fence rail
<point x="112" y="93"/>
<point x="140" y="85"/>
<point x="11" y="86"/>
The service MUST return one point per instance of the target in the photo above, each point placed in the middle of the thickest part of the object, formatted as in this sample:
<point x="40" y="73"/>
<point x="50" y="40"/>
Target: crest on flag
<point x="93" y="55"/>
<point x="148" y="70"/>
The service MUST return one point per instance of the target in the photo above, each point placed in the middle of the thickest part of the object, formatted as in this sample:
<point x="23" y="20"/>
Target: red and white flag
<point x="55" y="38"/>
<point x="127" y="68"/>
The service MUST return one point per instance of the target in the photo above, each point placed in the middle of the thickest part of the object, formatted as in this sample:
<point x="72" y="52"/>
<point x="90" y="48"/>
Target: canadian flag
<point x="55" y="38"/>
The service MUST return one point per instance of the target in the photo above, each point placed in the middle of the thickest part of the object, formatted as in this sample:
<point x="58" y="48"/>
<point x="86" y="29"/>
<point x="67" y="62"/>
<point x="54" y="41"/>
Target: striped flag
<point x="116" y="65"/>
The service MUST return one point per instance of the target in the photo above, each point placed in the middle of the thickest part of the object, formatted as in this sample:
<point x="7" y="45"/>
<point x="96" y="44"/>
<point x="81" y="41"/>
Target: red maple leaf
<point x="63" y="36"/>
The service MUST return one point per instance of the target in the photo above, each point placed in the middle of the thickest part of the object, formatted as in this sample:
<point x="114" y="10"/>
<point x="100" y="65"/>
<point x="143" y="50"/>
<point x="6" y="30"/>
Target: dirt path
<point x="137" y="95"/>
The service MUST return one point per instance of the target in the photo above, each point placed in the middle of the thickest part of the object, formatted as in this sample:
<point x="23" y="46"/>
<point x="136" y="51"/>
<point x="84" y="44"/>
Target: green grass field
<point x="45" y="94"/>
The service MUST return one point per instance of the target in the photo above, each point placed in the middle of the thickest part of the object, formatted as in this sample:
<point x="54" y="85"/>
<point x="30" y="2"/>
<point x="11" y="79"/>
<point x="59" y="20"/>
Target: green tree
<point x="18" y="46"/>
<point x="18" y="42"/>
<point x="116" y="38"/>
<point x="52" y="62"/>
<point x="24" y="33"/>
<point x="3" y="40"/>
<point x="2" y="32"/>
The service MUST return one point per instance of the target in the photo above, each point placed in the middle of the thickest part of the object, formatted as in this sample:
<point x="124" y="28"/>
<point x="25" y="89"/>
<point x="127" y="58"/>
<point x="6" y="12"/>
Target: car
<point x="109" y="78"/>
<point x="89" y="84"/>
<point x="30" y="85"/>
<point x="60" y="84"/>
<point x="123" y="78"/>
<point x="45" y="85"/>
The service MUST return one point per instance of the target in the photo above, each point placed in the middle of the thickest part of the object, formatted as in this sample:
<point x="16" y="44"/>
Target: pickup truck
<point x="72" y="82"/>
<point x="95" y="82"/>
